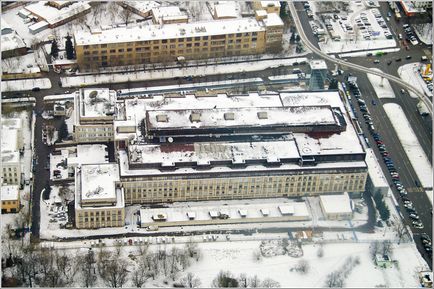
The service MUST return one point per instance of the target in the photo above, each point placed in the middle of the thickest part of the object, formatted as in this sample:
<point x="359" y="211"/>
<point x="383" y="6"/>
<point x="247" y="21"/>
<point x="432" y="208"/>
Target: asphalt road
<point x="420" y="125"/>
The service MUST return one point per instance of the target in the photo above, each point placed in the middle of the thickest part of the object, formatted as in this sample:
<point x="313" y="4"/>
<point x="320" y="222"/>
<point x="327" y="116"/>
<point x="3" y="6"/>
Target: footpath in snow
<point x="411" y="145"/>
<point x="84" y="80"/>
<point x="25" y="84"/>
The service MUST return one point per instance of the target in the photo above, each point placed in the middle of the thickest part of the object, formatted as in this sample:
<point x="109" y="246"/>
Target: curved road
<point x="316" y="50"/>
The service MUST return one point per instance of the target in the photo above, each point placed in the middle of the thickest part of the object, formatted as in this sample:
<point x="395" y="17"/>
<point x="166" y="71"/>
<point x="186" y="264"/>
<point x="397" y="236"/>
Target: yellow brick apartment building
<point x="165" y="43"/>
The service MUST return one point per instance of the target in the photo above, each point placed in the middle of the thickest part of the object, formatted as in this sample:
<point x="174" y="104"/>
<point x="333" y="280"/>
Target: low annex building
<point x="336" y="207"/>
<point x="10" y="197"/>
<point x="99" y="201"/>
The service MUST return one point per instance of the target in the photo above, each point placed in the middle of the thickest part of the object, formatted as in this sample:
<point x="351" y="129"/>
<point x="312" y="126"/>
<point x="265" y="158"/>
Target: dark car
<point x="36" y="89"/>
<point x="408" y="57"/>
<point x="398" y="59"/>
<point x="416" y="183"/>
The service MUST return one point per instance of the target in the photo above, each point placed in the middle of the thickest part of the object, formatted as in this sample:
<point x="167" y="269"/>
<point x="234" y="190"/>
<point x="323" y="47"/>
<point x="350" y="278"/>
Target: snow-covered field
<point x="411" y="145"/>
<point x="409" y="73"/>
<point x="76" y="81"/>
<point x="25" y="84"/>
<point x="237" y="257"/>
<point x="381" y="85"/>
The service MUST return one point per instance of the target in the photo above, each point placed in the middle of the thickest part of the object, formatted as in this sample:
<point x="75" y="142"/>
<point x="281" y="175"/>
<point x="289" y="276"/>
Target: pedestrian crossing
<point x="415" y="190"/>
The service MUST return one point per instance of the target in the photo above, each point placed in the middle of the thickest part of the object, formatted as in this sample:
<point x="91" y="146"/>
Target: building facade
<point x="156" y="43"/>
<point x="262" y="185"/>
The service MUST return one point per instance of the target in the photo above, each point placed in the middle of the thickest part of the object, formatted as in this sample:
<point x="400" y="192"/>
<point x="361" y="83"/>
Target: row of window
<point x="9" y="202"/>
<point x="163" y="41"/>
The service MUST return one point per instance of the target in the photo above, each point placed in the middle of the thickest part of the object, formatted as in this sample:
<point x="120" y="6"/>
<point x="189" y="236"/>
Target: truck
<point x="397" y="15"/>
<point x="422" y="108"/>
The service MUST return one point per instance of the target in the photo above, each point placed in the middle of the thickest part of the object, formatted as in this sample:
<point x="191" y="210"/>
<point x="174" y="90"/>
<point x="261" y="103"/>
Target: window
<point x="129" y="49"/>
<point x="103" y="45"/>
<point x="121" y="50"/>
<point x="165" y="40"/>
<point x="112" y="50"/>
<point x="205" y="38"/>
<point x="86" y="47"/>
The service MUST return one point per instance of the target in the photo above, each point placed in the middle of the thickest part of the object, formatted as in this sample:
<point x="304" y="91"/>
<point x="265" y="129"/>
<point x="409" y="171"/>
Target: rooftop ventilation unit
<point x="162" y="118"/>
<point x="195" y="117"/>
<point x="229" y="116"/>
<point x="262" y="115"/>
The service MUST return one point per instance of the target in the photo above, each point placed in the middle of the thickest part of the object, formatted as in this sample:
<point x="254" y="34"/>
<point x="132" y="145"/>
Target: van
<point x="296" y="71"/>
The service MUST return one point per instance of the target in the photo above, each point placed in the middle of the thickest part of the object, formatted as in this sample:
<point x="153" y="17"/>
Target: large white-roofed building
<point x="10" y="197"/>
<point x="241" y="146"/>
<point x="11" y="145"/>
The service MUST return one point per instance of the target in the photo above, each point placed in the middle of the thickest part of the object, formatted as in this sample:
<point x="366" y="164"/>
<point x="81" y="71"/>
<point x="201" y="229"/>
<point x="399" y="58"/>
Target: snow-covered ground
<point x="237" y="257"/>
<point x="424" y="32"/>
<point x="21" y="64"/>
<point x="411" y="145"/>
<point x="381" y="85"/>
<point x="25" y="84"/>
<point x="409" y="73"/>
<point x="76" y="81"/>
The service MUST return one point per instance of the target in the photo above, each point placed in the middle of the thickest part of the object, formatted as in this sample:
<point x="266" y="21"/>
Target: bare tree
<point x="400" y="231"/>
<point x="374" y="249"/>
<point x="126" y="15"/>
<point x="254" y="282"/>
<point x="270" y="283"/>
<point x="242" y="281"/>
<point x="190" y="281"/>
<point x="86" y="269"/>
<point x="257" y="256"/>
<point x="115" y="273"/>
<point x="387" y="247"/>
<point x="68" y="266"/>
<point x="320" y="252"/>
<point x="302" y="266"/>
<point x="335" y="279"/>
<point x="139" y="276"/>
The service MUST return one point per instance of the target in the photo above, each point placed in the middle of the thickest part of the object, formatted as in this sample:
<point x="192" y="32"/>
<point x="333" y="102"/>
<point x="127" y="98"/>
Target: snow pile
<point x="25" y="84"/>
<point x="381" y="85"/>
<point x="424" y="32"/>
<point x="272" y="248"/>
<point x="411" y="145"/>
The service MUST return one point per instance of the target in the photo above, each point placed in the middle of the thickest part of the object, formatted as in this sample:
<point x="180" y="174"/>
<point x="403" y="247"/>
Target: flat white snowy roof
<point x="336" y="203"/>
<point x="375" y="172"/>
<point x="98" y="182"/>
<point x="255" y="117"/>
<point x="11" y="41"/>
<point x="225" y="10"/>
<point x="9" y="141"/>
<point x="53" y="15"/>
<point x="162" y="13"/>
<point x="10" y="192"/>
<point x="204" y="153"/>
<point x="169" y="31"/>
<point x="317" y="64"/>
<point x="143" y="6"/>
<point x="273" y="19"/>
<point x="97" y="102"/>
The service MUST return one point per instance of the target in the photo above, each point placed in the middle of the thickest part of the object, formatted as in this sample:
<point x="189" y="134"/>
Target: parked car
<point x="36" y="89"/>
<point x="417" y="224"/>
